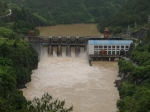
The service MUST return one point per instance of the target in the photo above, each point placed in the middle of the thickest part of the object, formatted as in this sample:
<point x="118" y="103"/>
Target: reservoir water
<point x="87" y="88"/>
<point x="72" y="30"/>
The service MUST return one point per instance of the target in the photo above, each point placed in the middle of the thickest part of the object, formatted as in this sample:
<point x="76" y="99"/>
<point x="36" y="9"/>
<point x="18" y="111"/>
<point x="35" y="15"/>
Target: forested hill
<point x="134" y="11"/>
<point x="18" y="59"/>
<point x="3" y="6"/>
<point x="72" y="11"/>
<point x="134" y="84"/>
<point x="21" y="20"/>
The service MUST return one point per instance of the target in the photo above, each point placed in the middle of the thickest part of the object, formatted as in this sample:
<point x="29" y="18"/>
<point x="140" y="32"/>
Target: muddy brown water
<point x="72" y="30"/>
<point x="87" y="88"/>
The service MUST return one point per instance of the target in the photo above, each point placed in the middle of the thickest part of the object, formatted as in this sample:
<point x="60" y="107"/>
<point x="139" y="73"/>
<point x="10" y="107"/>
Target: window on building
<point x="109" y="52"/>
<point x="117" y="52"/>
<point x="109" y="46"/>
<point x="122" y="46"/>
<point x="127" y="47"/>
<point x="105" y="47"/>
<point x="100" y="46"/>
<point x="113" y="46"/>
<point x="118" y="47"/>
<point x="113" y="52"/>
<point x="95" y="46"/>
<point x="95" y="52"/>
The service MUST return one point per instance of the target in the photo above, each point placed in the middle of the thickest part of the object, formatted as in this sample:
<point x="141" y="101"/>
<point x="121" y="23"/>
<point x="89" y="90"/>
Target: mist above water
<point x="88" y="89"/>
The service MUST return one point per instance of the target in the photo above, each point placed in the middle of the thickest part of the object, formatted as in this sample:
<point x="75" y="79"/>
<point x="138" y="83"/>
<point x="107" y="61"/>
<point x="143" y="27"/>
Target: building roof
<point x="109" y="42"/>
<point x="102" y="38"/>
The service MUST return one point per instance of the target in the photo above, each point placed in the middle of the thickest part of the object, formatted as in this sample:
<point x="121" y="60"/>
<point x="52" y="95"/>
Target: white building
<point x="112" y="47"/>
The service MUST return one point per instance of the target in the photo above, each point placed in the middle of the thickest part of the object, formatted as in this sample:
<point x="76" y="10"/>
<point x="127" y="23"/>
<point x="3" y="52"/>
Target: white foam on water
<point x="88" y="89"/>
<point x="63" y="51"/>
<point x="54" y="51"/>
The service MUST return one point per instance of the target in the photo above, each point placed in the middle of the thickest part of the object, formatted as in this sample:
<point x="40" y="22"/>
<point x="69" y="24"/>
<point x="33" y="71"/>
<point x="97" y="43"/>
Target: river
<point x="87" y="88"/>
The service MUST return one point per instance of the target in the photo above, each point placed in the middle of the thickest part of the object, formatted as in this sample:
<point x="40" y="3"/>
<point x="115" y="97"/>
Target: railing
<point x="57" y="41"/>
<point x="99" y="55"/>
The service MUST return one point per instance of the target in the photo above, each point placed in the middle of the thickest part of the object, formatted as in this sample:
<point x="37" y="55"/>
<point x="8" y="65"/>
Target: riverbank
<point x="17" y="60"/>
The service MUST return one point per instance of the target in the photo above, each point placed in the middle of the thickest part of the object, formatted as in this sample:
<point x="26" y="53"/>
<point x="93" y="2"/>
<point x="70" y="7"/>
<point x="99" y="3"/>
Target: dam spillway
<point x="88" y="89"/>
<point x="59" y="42"/>
<point x="61" y="51"/>
<point x="97" y="48"/>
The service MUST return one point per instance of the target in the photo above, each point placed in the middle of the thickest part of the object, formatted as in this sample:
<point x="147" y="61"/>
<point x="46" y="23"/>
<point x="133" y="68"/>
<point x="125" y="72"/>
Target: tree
<point x="45" y="104"/>
<point x="149" y="49"/>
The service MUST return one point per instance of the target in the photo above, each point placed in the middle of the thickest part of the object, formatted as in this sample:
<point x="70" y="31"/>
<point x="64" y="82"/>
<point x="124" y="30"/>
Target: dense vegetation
<point x="17" y="60"/>
<point x="21" y="20"/>
<point x="46" y="104"/>
<point x="3" y="6"/>
<point x="134" y="13"/>
<point x="117" y="14"/>
<point x="72" y="11"/>
<point x="134" y="88"/>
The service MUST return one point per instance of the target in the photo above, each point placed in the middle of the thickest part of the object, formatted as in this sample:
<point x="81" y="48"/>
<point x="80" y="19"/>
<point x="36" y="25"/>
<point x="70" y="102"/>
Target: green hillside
<point x="21" y="20"/>
<point x="134" y="86"/>
<point x="134" y="11"/>
<point x="18" y="58"/>
<point x="3" y="8"/>
<point x="72" y="11"/>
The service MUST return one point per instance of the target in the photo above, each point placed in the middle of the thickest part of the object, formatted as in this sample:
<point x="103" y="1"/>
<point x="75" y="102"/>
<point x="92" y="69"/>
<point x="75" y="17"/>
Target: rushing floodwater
<point x="87" y="88"/>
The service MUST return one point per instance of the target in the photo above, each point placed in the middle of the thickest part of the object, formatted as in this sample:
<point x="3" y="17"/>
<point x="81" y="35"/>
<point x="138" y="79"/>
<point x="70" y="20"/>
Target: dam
<point x="97" y="48"/>
<point x="68" y="76"/>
